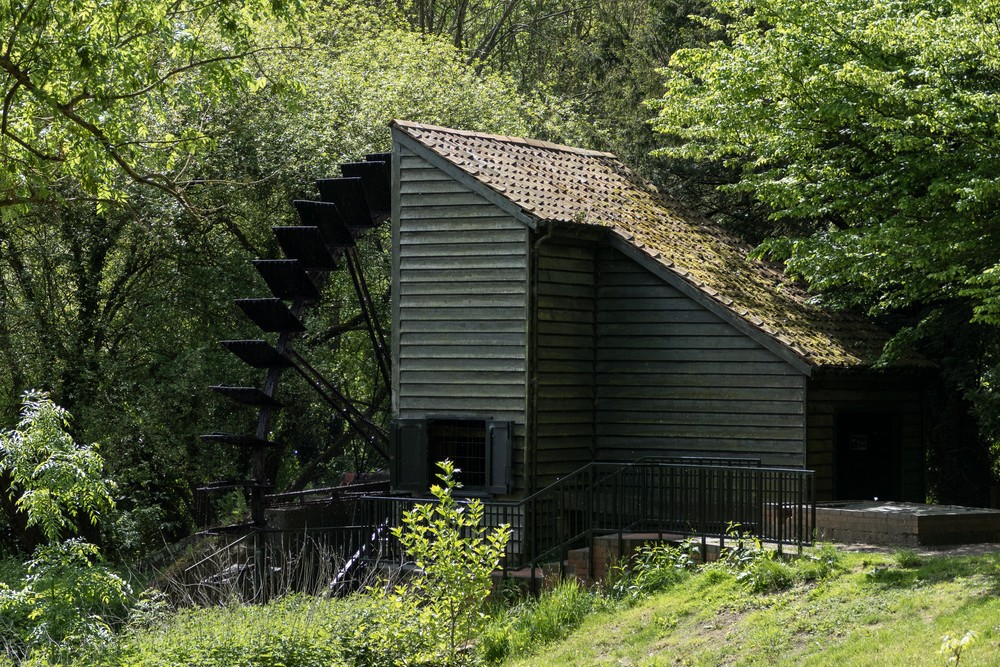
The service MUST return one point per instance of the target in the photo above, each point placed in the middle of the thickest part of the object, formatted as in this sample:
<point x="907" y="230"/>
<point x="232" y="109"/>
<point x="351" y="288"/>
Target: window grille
<point x="464" y="443"/>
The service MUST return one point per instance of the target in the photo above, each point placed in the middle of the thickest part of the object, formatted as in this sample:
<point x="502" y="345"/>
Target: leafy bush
<point x="386" y="630"/>
<point x="819" y="564"/>
<point x="767" y="575"/>
<point x="758" y="569"/>
<point x="654" y="568"/>
<point x="438" y="611"/>
<point x="906" y="558"/>
<point x="953" y="646"/>
<point x="67" y="599"/>
<point x="55" y="480"/>
<point x="296" y="631"/>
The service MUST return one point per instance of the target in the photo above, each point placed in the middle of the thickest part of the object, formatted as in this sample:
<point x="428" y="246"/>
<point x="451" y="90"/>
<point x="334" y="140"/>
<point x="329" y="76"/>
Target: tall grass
<point x="296" y="631"/>
<point x="537" y="622"/>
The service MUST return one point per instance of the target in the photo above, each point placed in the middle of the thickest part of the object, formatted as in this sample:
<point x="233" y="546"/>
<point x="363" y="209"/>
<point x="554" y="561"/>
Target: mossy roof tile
<point x="554" y="183"/>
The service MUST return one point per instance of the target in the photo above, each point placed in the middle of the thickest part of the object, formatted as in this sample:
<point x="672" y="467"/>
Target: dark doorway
<point x="869" y="456"/>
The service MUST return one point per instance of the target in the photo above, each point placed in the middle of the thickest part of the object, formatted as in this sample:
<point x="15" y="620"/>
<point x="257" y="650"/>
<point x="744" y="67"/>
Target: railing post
<point x="590" y="521"/>
<point x="799" y="512"/>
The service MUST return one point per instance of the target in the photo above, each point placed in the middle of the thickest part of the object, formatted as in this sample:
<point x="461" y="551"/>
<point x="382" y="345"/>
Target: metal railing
<point x="776" y="505"/>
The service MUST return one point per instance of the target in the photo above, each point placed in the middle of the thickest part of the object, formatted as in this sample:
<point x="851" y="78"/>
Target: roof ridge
<point x="536" y="143"/>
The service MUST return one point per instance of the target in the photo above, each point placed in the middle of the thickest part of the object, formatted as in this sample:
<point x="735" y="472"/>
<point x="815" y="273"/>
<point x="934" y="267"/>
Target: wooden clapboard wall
<point x="459" y="304"/>
<point x="673" y="378"/>
<point x="566" y="328"/>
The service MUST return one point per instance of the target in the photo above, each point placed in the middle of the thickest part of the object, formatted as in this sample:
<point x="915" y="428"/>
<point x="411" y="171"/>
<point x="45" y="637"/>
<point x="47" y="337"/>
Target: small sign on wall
<point x="858" y="442"/>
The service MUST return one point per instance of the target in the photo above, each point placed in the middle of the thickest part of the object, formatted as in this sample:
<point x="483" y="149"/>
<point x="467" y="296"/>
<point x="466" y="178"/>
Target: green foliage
<point x="292" y="632"/>
<point x="867" y="122"/>
<point x="68" y="601"/>
<point x="68" y="598"/>
<point x="817" y="565"/>
<point x="55" y="480"/>
<point x="386" y="629"/>
<point x="712" y="620"/>
<point x="654" y="568"/>
<point x="906" y="558"/>
<point x="953" y="646"/>
<point x="759" y="569"/>
<point x="455" y="556"/>
<point x="92" y="90"/>
<point x="866" y="130"/>
<point x="767" y="576"/>
<point x="118" y="311"/>
<point x="437" y="610"/>
<point x="534" y="623"/>
<point x="588" y="65"/>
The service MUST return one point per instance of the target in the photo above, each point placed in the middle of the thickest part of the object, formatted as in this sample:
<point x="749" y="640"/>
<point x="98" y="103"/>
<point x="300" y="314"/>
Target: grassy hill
<point x="830" y="608"/>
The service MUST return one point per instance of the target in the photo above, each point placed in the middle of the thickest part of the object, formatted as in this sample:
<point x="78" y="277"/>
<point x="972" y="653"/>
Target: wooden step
<point x="271" y="315"/>
<point x="287" y="279"/>
<point x="257" y="353"/>
<point x="306" y="244"/>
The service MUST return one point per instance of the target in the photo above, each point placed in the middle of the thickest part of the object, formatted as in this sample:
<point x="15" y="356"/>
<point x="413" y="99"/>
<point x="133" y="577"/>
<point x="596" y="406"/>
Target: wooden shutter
<point x="498" y="454"/>
<point x="410" y="455"/>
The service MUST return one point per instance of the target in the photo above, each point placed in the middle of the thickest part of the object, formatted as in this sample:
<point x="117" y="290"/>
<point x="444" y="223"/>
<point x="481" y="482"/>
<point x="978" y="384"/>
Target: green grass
<point x="828" y="608"/>
<point x="859" y="609"/>
<point x="297" y="631"/>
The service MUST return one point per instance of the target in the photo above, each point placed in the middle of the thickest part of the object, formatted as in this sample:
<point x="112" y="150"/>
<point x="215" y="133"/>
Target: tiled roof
<point x="554" y="183"/>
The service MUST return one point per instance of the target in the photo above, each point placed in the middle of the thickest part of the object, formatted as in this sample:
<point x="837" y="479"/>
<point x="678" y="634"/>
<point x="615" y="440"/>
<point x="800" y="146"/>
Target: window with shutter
<point x="479" y="448"/>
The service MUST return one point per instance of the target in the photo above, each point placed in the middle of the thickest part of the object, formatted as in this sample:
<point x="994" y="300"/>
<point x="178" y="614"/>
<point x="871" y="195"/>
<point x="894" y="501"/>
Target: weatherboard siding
<point x="565" y="338"/>
<point x="672" y="378"/>
<point x="460" y="304"/>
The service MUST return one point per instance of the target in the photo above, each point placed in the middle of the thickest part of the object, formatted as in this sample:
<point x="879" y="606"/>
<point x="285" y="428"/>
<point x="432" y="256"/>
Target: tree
<point x="868" y="131"/>
<point x="55" y="485"/>
<point x="53" y="482"/>
<point x="117" y="311"/>
<point x="91" y="90"/>
<point x="437" y="611"/>
<point x="590" y="64"/>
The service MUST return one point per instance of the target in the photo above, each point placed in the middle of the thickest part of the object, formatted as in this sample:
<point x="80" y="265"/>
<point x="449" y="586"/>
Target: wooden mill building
<point x="551" y="309"/>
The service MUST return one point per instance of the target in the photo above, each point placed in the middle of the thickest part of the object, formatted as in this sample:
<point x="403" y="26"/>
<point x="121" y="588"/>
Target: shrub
<point x="55" y="480"/>
<point x="767" y="575"/>
<point x="908" y="559"/>
<point x="819" y="564"/>
<point x="67" y="598"/>
<point x="758" y="569"/>
<point x="386" y="629"/>
<point x="654" y="568"/>
<point x="435" y="614"/>
<point x="295" y="631"/>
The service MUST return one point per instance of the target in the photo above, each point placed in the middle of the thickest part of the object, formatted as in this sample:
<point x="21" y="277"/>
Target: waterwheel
<point x="326" y="241"/>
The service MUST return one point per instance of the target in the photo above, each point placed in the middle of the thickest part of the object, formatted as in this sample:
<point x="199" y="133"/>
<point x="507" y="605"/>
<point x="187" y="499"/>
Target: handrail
<point x="775" y="504"/>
